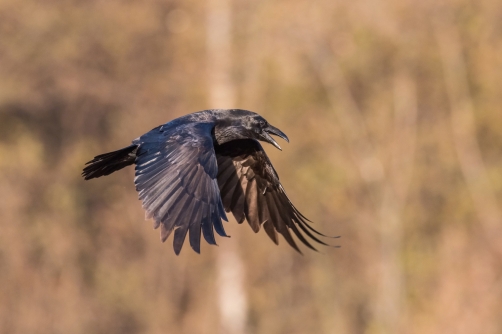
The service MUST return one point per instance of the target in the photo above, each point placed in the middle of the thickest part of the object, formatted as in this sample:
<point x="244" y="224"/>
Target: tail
<point x="108" y="163"/>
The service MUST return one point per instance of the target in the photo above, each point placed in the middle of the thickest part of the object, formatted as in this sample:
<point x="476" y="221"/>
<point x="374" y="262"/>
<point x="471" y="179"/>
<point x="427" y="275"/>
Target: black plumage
<point x="192" y="170"/>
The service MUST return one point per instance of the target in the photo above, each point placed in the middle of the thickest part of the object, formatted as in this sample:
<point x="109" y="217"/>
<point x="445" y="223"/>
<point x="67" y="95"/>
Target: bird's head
<point x="243" y="124"/>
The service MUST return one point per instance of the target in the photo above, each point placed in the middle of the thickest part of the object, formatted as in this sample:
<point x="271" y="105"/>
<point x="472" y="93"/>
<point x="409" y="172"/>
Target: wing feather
<point x="237" y="203"/>
<point x="207" y="224"/>
<point x="251" y="208"/>
<point x="250" y="189"/>
<point x="183" y="225"/>
<point x="271" y="232"/>
<point x="176" y="180"/>
<point x="279" y="222"/>
<point x="195" y="229"/>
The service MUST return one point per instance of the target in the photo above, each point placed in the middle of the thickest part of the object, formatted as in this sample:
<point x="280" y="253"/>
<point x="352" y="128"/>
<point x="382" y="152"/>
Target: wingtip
<point x="196" y="250"/>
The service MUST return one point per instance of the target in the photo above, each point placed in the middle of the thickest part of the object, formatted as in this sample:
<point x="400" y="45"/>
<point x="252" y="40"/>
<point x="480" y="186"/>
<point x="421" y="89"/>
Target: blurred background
<point x="393" y="109"/>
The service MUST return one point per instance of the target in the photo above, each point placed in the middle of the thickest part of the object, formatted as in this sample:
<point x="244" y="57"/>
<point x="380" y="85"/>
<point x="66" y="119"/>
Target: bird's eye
<point x="263" y="123"/>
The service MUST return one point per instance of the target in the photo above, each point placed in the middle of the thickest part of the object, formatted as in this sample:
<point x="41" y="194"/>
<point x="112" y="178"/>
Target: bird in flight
<point x="193" y="169"/>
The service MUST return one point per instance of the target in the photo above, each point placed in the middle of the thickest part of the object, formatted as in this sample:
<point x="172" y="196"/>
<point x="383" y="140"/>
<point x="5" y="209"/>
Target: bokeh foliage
<point x="362" y="90"/>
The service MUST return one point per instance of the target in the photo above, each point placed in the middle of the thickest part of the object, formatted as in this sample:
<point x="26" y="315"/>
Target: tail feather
<point x="108" y="163"/>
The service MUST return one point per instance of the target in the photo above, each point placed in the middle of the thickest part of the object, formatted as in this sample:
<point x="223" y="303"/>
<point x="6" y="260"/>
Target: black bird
<point x="191" y="170"/>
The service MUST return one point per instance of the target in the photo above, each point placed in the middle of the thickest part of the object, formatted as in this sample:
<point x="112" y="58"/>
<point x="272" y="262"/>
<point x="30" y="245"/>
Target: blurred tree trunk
<point x="232" y="299"/>
<point x="390" y="303"/>
<point x="463" y="126"/>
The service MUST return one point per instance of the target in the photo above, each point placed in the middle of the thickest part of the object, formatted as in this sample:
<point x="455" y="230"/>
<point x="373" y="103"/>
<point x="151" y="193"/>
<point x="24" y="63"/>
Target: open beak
<point x="266" y="134"/>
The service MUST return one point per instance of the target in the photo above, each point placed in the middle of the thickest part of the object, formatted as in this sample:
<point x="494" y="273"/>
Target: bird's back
<point x="204" y="116"/>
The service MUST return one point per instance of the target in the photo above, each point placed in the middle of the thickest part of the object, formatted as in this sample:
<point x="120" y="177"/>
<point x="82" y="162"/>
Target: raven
<point x="191" y="170"/>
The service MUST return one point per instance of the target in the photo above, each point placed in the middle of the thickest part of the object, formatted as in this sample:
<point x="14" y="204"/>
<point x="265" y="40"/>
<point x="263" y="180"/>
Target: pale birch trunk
<point x="232" y="299"/>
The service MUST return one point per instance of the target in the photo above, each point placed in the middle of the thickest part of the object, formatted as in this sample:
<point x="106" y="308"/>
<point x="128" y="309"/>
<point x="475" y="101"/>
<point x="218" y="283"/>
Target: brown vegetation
<point x="393" y="109"/>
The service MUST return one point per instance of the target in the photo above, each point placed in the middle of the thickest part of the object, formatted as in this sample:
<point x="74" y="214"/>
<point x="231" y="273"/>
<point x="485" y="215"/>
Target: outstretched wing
<point x="251" y="190"/>
<point x="176" y="173"/>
